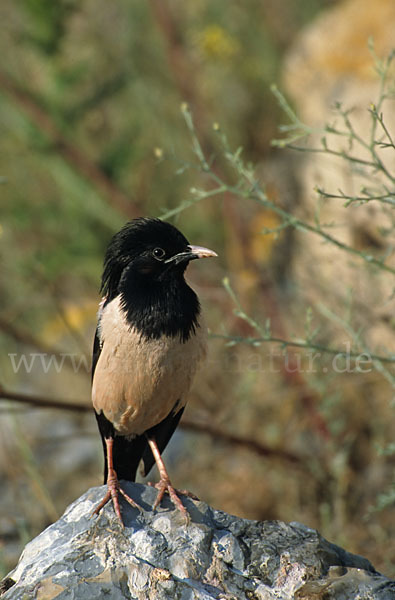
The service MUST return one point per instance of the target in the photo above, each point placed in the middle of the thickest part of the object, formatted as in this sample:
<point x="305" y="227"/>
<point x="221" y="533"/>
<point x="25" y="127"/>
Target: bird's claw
<point x="164" y="486"/>
<point x="113" y="489"/>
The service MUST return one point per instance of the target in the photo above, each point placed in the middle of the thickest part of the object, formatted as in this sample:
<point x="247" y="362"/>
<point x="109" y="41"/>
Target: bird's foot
<point x="113" y="489"/>
<point x="163" y="486"/>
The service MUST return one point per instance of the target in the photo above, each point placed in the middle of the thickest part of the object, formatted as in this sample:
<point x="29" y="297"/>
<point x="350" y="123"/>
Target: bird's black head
<point x="145" y="263"/>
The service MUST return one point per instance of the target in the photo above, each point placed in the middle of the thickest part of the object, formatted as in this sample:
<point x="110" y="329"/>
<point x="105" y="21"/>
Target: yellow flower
<point x="215" y="42"/>
<point x="75" y="317"/>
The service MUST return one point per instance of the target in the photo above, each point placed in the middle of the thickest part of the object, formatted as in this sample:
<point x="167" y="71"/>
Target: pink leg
<point x="113" y="487"/>
<point x="164" y="484"/>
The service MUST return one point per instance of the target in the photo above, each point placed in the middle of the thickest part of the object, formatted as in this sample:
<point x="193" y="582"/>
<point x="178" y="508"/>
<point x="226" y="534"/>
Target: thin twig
<point x="41" y="402"/>
<point x="209" y="429"/>
<point x="253" y="191"/>
<point x="305" y="345"/>
<point x="235" y="440"/>
<point x="383" y="198"/>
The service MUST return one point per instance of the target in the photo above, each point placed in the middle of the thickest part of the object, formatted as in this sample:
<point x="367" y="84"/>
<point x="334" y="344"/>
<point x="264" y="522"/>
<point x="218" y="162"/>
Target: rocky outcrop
<point x="158" y="555"/>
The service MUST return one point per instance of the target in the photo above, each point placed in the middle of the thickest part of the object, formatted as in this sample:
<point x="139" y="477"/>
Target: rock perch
<point x="156" y="556"/>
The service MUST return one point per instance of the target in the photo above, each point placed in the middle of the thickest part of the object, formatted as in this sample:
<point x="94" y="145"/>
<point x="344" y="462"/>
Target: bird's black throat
<point x="155" y="308"/>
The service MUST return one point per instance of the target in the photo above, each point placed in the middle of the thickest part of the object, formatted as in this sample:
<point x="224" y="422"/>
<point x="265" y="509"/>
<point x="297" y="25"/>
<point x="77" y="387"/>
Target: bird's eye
<point x="159" y="253"/>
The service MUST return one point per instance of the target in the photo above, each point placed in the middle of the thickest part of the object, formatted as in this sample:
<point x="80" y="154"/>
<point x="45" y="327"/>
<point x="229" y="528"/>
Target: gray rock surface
<point x="159" y="556"/>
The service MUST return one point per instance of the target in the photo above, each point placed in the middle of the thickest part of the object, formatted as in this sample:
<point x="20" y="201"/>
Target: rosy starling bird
<point x="149" y="341"/>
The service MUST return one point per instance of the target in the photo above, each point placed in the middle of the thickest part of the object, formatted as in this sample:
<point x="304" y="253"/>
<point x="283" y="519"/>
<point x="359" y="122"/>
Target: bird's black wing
<point x="127" y="453"/>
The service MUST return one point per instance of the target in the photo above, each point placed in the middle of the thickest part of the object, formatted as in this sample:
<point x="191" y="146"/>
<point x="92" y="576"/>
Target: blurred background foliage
<point x="91" y="136"/>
